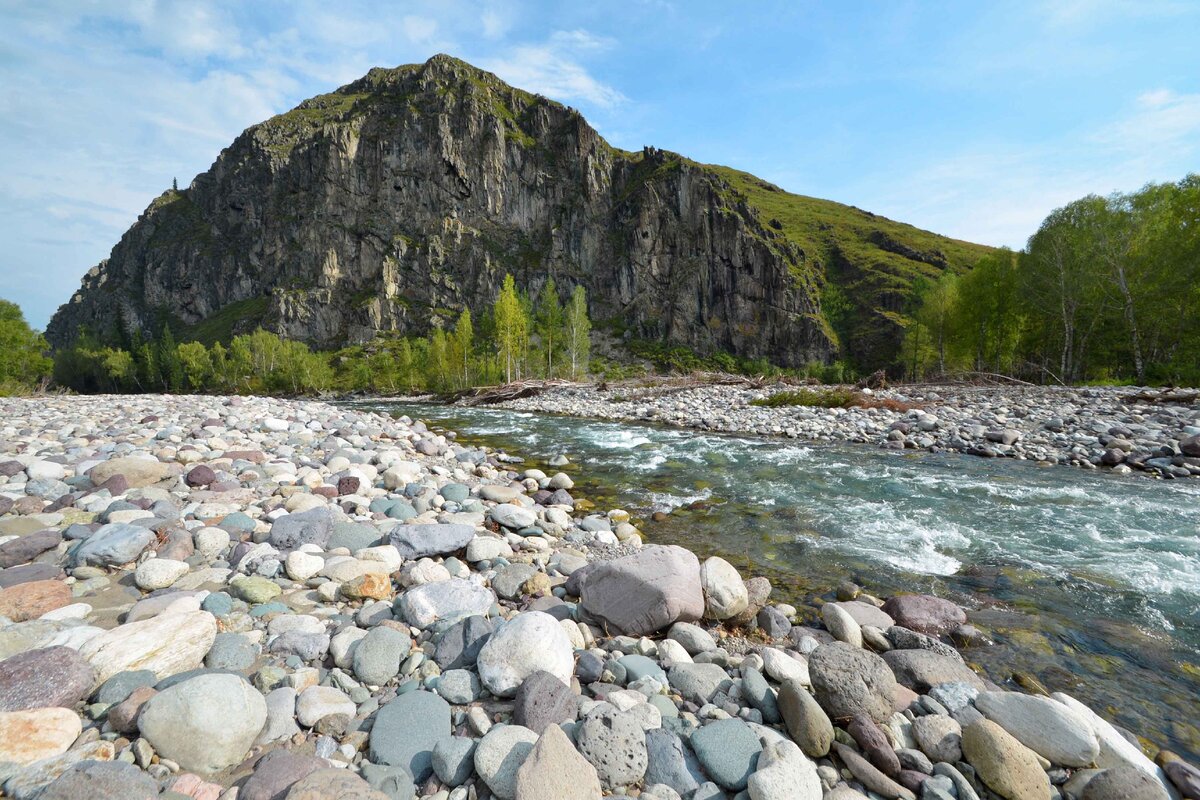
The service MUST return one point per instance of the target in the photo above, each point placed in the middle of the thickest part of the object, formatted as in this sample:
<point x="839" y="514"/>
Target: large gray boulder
<point x="419" y="541"/>
<point x="304" y="527"/>
<point x="848" y="680"/>
<point x="113" y="544"/>
<point x="646" y="591"/>
<point x="206" y="723"/>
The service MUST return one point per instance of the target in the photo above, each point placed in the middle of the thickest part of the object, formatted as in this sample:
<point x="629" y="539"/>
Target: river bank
<point x="1093" y="428"/>
<point x="291" y="599"/>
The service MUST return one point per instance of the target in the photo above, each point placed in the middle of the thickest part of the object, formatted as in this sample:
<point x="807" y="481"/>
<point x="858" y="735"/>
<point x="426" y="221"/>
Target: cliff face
<point x="398" y="200"/>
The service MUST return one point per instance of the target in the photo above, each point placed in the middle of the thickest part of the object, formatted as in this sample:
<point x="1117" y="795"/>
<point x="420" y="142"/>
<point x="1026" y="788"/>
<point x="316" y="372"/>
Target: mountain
<point x="393" y="202"/>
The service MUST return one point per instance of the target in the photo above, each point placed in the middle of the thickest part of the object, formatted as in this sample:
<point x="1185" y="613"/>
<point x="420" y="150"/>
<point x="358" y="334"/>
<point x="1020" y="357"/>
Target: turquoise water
<point x="1088" y="582"/>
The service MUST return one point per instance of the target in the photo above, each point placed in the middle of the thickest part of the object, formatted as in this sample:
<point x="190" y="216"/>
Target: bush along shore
<point x="250" y="598"/>
<point x="1120" y="428"/>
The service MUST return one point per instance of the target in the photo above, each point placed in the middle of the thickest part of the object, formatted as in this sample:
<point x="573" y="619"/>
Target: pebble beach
<point x="1092" y="428"/>
<point x="258" y="599"/>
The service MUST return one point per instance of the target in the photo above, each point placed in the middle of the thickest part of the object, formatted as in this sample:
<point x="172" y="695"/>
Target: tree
<point x="438" y="365"/>
<point x="197" y="364"/>
<point x="462" y="346"/>
<point x="405" y="366"/>
<point x="549" y="321"/>
<point x="936" y="314"/>
<point x="23" y="361"/>
<point x="512" y="330"/>
<point x="578" y="333"/>
<point x="170" y="367"/>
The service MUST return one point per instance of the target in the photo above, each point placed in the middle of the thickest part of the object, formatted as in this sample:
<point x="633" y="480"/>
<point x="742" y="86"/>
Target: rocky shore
<point x="1092" y="428"/>
<point x="206" y="597"/>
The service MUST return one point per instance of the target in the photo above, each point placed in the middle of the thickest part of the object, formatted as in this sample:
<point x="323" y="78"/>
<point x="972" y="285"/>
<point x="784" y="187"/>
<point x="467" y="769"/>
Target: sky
<point x="972" y="119"/>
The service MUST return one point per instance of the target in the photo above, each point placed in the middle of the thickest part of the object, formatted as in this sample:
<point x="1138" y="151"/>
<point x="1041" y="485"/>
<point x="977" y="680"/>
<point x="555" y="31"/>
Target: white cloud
<point x="495" y="24"/>
<point x="419" y="29"/>
<point x="552" y="68"/>
<point x="1000" y="193"/>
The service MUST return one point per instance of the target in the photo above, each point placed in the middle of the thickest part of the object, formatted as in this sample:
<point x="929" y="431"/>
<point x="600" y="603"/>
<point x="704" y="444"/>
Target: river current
<point x="1088" y="582"/>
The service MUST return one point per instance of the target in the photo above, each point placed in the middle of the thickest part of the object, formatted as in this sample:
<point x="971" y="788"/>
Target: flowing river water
<point x="1087" y="581"/>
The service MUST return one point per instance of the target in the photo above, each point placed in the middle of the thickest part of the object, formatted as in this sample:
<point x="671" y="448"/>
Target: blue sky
<point x="972" y="119"/>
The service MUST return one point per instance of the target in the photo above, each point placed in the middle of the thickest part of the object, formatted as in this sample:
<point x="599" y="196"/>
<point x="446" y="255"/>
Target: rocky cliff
<point x="399" y="199"/>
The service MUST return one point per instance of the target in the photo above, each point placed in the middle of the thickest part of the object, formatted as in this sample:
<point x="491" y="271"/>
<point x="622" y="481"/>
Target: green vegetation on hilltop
<point x="865" y="266"/>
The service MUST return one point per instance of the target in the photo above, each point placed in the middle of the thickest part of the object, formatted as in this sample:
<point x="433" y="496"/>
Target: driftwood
<point x="1165" y="396"/>
<point x="487" y="395"/>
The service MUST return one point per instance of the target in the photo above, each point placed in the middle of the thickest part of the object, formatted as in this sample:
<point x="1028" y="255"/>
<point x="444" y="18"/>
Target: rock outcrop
<point x="402" y="198"/>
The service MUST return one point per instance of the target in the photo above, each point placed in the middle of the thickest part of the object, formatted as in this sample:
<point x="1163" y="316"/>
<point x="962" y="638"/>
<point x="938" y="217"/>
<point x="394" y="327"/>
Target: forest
<point x="519" y="337"/>
<point x="1106" y="291"/>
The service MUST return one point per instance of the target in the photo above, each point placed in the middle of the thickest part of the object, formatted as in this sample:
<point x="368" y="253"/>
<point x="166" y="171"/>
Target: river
<point x="1087" y="581"/>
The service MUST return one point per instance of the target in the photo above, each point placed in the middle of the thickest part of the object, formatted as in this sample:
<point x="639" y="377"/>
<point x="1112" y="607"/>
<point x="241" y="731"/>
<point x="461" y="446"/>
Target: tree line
<point x="519" y="337"/>
<point x="1106" y="290"/>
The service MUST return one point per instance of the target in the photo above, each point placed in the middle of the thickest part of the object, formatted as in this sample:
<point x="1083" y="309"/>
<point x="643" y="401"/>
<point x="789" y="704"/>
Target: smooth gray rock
<point x="645" y="592"/>
<point x="378" y="655"/>
<point x="407" y="729"/>
<point x="112" y="545"/>
<point x="848" y="680"/>
<point x="418" y="541"/>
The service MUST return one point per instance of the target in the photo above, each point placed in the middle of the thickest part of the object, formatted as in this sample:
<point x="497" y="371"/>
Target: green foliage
<point x="1107" y="290"/>
<point x="824" y="398"/>
<point x="512" y="330"/>
<point x="578" y="333"/>
<point x="549" y="327"/>
<point x="264" y="363"/>
<point x="23" y="362"/>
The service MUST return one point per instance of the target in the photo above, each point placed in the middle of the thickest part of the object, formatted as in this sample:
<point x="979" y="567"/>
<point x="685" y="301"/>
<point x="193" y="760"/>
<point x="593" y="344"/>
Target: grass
<point x="836" y="397"/>
<point x="220" y="326"/>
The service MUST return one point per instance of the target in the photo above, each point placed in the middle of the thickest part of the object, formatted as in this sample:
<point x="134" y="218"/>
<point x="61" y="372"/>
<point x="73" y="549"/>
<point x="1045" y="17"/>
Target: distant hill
<point x="393" y="202"/>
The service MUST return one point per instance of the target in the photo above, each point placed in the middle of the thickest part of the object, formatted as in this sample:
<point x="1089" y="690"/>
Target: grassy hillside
<point x="869" y="263"/>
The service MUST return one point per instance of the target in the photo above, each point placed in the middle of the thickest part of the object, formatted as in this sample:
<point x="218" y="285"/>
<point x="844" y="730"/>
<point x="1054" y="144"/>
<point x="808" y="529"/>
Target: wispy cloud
<point x="553" y="68"/>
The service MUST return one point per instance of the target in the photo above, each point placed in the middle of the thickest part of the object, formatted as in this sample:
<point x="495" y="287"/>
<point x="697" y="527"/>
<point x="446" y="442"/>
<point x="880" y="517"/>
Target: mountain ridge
<point x="400" y="198"/>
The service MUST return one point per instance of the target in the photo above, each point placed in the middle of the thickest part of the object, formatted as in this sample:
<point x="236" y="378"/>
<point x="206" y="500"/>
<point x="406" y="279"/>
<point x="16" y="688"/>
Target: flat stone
<point x="26" y="548"/>
<point x="841" y="624"/>
<point x="645" y="592"/>
<point x="1124" y="783"/>
<point x="102" y="780"/>
<point x="449" y="600"/>
<point x="27" y="601"/>
<point x="554" y="770"/>
<point x="920" y="670"/>
<point x="866" y="614"/>
<point x="121" y="685"/>
<point x="419" y="541"/>
<point x="728" y="750"/>
<point x="111" y="545"/>
<point x="333" y="783"/>
<point x="159" y="573"/>
<point x="37" y="733"/>
<point x="757" y="692"/>
<point x="1046" y="727"/>
<point x="512" y="517"/>
<point x="138" y="472"/>
<point x="317" y="702"/>
<point x="27" y="573"/>
<point x="500" y="755"/>
<point x="871" y="777"/>
<point x="206" y="723"/>
<point x="848" y="680"/>
<point x="697" y="682"/>
<point x="231" y="652"/>
<point x="406" y="731"/>
<point x="670" y="761"/>
<point x="924" y="613"/>
<point x="276" y="772"/>
<point x="49" y="676"/>
<point x="306" y="527"/>
<point x="1008" y="767"/>
<point x="166" y="644"/>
